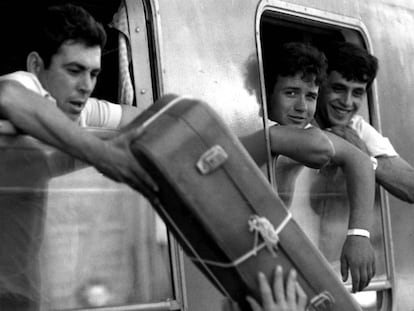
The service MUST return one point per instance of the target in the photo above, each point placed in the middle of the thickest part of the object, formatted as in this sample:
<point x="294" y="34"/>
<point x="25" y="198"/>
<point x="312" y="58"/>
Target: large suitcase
<point x="222" y="210"/>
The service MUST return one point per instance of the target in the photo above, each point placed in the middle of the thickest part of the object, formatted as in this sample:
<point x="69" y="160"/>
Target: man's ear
<point x="34" y="63"/>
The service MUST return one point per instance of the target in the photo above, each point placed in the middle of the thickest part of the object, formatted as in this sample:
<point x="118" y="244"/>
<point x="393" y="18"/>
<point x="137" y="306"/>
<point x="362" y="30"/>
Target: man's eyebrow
<point x="295" y="88"/>
<point x="80" y="66"/>
<point x="338" y="84"/>
<point x="75" y="64"/>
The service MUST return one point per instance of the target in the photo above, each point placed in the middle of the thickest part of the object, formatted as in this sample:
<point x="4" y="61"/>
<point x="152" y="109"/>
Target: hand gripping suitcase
<point x="222" y="210"/>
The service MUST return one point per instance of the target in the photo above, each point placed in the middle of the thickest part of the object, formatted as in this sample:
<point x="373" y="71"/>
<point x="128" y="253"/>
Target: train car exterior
<point x="223" y="38"/>
<point x="95" y="230"/>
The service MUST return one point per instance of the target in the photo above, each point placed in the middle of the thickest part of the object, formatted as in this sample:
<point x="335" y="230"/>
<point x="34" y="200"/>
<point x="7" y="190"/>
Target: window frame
<point x="145" y="38"/>
<point x="351" y="27"/>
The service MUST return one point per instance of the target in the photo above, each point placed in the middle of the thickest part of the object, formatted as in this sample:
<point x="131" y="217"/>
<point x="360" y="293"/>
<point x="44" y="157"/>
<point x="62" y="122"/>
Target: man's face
<point x="293" y="101"/>
<point x="71" y="76"/>
<point x="340" y="99"/>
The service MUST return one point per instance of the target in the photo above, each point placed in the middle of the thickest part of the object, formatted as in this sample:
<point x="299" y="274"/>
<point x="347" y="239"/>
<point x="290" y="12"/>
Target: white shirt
<point x="97" y="112"/>
<point x="377" y="144"/>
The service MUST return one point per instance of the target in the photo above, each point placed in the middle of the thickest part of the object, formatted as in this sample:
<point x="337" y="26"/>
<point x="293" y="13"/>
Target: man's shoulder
<point x="28" y="80"/>
<point x="94" y="103"/>
<point x="101" y="113"/>
<point x="99" y="101"/>
<point x="24" y="77"/>
<point x="359" y="124"/>
<point x="356" y="119"/>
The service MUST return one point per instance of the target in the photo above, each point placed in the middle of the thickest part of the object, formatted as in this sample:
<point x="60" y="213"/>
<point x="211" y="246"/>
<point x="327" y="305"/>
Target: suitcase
<point x="222" y="210"/>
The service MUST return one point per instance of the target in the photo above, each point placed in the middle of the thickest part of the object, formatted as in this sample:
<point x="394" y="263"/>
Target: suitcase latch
<point x="322" y="302"/>
<point x="211" y="159"/>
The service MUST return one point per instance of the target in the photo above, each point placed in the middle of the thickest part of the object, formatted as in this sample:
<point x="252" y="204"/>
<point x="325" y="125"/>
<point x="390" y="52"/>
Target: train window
<point x="71" y="238"/>
<point x="318" y="204"/>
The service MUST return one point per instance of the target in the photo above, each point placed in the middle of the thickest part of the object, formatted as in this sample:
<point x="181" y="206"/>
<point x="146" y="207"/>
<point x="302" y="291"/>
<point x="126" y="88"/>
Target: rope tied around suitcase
<point x="261" y="227"/>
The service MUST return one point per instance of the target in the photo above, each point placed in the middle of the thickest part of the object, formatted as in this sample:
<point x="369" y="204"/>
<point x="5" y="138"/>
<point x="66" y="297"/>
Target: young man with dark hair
<point x="351" y="72"/>
<point x="51" y="101"/>
<point x="52" y="98"/>
<point x="299" y="70"/>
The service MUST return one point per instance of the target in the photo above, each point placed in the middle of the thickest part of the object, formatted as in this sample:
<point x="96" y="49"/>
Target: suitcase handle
<point x="322" y="302"/>
<point x="211" y="160"/>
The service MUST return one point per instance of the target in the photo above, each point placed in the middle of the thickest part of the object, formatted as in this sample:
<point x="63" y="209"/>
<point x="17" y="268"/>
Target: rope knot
<point x="262" y="227"/>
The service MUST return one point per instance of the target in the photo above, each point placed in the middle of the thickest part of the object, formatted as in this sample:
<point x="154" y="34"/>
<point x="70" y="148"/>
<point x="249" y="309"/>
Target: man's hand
<point x="351" y="136"/>
<point x="278" y="297"/>
<point x="119" y="164"/>
<point x="358" y="257"/>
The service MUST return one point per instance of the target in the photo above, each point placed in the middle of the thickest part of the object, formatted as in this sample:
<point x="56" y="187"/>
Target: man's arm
<point x="38" y="117"/>
<point x="357" y="253"/>
<point x="307" y="146"/>
<point x="315" y="148"/>
<point x="393" y="173"/>
<point x="397" y="176"/>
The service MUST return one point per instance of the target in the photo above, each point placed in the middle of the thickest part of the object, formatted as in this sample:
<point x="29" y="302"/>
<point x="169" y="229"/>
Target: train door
<point x="71" y="238"/>
<point x="323" y="211"/>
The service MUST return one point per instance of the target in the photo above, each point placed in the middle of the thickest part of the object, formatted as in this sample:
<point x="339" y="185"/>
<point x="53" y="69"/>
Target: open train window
<point x="71" y="238"/>
<point x="323" y="212"/>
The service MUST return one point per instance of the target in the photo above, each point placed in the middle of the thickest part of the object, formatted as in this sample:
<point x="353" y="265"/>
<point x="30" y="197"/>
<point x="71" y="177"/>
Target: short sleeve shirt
<point x="97" y="112"/>
<point x="377" y="144"/>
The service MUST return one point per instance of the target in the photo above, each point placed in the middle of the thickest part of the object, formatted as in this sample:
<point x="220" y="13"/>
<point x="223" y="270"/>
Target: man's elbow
<point x="410" y="198"/>
<point x="406" y="196"/>
<point x="324" y="154"/>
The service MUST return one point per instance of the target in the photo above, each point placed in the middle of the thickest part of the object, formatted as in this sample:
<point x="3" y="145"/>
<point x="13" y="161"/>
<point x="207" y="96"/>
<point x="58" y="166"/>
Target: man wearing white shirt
<point x="52" y="98"/>
<point x="351" y="72"/>
<point x="51" y="102"/>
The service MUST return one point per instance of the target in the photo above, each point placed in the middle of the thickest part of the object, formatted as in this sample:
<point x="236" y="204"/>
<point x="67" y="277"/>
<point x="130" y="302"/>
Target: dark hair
<point x="352" y="62"/>
<point x="294" y="58"/>
<point x="67" y="22"/>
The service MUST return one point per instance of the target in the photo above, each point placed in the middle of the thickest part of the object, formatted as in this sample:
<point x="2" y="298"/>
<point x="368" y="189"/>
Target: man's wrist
<point x="358" y="232"/>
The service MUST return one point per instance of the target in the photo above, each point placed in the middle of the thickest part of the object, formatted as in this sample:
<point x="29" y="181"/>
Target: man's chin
<point x="339" y="122"/>
<point x="73" y="116"/>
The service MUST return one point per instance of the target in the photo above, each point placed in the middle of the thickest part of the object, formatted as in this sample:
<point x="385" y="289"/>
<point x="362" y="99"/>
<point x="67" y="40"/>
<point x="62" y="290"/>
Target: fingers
<point x="266" y="293"/>
<point x="361" y="277"/>
<point x="344" y="268"/>
<point x="254" y="304"/>
<point x="230" y="305"/>
<point x="141" y="180"/>
<point x="226" y="305"/>
<point x="368" y="274"/>
<point x="357" y="282"/>
<point x="291" y="287"/>
<point x="302" y="298"/>
<point x="278" y="286"/>
<point x="358" y="259"/>
<point x="289" y="297"/>
<point x="373" y="268"/>
<point x="144" y="180"/>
